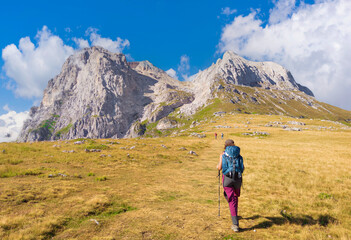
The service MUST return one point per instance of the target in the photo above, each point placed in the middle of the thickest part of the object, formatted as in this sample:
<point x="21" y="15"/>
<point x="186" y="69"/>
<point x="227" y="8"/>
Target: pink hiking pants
<point x="232" y="198"/>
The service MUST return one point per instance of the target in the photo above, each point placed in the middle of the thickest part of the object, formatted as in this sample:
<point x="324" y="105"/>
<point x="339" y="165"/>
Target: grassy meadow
<point x="297" y="184"/>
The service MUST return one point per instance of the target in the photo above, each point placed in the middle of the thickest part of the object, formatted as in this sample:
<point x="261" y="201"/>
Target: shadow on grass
<point x="287" y="218"/>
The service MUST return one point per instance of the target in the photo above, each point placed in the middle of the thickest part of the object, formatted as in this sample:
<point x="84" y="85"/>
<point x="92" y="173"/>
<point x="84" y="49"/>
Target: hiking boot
<point x="235" y="225"/>
<point x="235" y="228"/>
<point x="235" y="220"/>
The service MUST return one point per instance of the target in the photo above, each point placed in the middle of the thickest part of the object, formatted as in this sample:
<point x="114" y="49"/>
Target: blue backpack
<point x="232" y="162"/>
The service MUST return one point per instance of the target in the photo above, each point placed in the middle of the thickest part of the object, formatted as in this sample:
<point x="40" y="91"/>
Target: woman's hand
<point x="219" y="165"/>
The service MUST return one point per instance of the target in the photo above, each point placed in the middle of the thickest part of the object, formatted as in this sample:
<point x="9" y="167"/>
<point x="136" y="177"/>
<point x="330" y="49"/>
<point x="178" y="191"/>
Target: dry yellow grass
<point x="296" y="185"/>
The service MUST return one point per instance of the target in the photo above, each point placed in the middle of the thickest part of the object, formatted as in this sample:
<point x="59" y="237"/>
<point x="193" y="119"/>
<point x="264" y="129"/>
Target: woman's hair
<point x="228" y="142"/>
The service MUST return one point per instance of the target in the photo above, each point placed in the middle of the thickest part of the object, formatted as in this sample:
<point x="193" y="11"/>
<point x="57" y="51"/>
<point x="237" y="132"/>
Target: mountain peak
<point x="98" y="94"/>
<point x="147" y="66"/>
<point x="94" y="55"/>
<point x="231" y="55"/>
<point x="235" y="69"/>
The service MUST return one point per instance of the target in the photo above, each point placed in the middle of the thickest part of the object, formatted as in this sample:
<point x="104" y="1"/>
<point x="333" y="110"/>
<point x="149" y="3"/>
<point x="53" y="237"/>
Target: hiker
<point x="222" y="136"/>
<point x="232" y="166"/>
<point x="215" y="135"/>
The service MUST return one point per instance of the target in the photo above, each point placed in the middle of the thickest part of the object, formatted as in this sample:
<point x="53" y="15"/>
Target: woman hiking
<point x="232" y="166"/>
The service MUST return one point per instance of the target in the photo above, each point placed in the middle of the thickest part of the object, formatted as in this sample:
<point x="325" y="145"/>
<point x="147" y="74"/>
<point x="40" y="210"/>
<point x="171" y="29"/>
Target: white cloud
<point x="107" y="43"/>
<point x="30" y="66"/>
<point x="312" y="41"/>
<point x="184" y="65"/>
<point x="129" y="57"/>
<point x="172" y="73"/>
<point x="116" y="46"/>
<point x="11" y="124"/>
<point x="281" y="11"/>
<point x="183" y="69"/>
<point x="6" y="108"/>
<point x="227" y="11"/>
<point x="81" y="43"/>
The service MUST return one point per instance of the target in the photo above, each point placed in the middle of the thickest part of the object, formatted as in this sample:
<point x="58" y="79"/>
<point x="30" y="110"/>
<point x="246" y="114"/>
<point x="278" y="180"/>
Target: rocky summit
<point x="98" y="94"/>
<point x="236" y="71"/>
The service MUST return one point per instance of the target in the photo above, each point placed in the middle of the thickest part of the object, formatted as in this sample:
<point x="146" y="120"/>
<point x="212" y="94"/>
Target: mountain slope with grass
<point x="234" y="84"/>
<point x="296" y="183"/>
<point x="98" y="94"/>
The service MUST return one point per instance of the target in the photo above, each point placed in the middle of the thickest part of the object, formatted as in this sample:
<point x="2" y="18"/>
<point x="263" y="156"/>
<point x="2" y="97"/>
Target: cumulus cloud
<point x="30" y="66"/>
<point x="312" y="41"/>
<point x="95" y="39"/>
<point x="11" y="124"/>
<point x="81" y="43"/>
<point x="281" y="11"/>
<point x="116" y="46"/>
<point x="227" y="11"/>
<point x="172" y="73"/>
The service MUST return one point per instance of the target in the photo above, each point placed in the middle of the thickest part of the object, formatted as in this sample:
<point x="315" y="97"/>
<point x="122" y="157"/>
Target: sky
<point x="309" y="38"/>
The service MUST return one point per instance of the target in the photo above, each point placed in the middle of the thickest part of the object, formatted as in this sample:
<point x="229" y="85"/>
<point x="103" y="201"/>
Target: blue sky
<point x="310" y="38"/>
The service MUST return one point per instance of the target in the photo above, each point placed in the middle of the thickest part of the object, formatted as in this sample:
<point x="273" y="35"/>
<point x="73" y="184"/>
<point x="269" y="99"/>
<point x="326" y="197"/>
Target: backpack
<point x="232" y="162"/>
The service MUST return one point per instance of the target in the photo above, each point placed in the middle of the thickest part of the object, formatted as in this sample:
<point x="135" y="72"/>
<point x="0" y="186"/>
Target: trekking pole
<point x="219" y="193"/>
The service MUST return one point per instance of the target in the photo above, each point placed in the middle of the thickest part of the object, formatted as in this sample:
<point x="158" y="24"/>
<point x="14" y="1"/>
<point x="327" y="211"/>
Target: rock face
<point x="98" y="94"/>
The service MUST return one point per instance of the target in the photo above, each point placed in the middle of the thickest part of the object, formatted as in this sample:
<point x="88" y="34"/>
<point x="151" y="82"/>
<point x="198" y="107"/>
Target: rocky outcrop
<point x="166" y="123"/>
<point x="98" y="94"/>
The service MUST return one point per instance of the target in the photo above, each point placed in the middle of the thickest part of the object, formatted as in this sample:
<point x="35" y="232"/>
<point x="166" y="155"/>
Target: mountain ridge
<point x="98" y="94"/>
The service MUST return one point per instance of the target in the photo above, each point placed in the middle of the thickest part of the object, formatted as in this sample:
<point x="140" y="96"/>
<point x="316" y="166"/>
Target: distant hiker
<point x="232" y="166"/>
<point x="222" y="136"/>
<point x="215" y="135"/>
